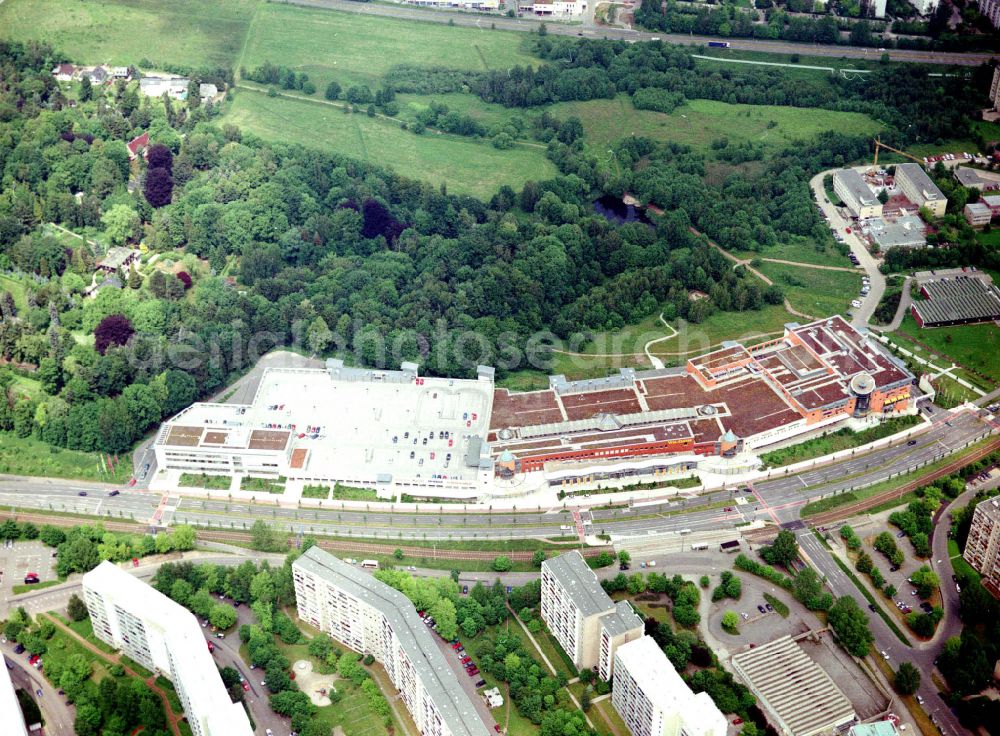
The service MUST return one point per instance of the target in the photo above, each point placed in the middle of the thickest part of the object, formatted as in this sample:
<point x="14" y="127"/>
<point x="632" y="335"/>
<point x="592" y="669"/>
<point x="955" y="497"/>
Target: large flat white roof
<point x="355" y="421"/>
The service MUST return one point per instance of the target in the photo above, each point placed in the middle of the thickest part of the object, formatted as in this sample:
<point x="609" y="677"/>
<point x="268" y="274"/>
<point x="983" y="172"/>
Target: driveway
<point x="862" y="316"/>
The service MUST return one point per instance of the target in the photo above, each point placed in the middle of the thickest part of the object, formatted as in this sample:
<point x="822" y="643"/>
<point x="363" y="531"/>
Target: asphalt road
<point x="885" y="640"/>
<point x="778" y="497"/>
<point x="860" y="317"/>
<point x="56" y="712"/>
<point x="484" y="22"/>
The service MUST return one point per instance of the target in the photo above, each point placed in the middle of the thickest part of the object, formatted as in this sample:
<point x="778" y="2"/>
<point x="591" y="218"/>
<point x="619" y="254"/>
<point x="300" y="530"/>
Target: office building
<point x="163" y="637"/>
<point x="588" y="625"/>
<point x="652" y="698"/>
<point x="369" y="616"/>
<point x="11" y="716"/>
<point x="982" y="550"/>
<point x="903" y="232"/>
<point x="856" y="195"/>
<point x="919" y="189"/>
<point x="977" y="214"/>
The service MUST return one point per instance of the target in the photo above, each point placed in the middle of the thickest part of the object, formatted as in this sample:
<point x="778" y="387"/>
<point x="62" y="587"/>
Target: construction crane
<point x="879" y="144"/>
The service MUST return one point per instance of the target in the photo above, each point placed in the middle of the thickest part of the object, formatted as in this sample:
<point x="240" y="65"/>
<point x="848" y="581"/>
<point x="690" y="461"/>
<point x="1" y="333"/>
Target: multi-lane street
<point x="776" y="497"/>
<point x="485" y="22"/>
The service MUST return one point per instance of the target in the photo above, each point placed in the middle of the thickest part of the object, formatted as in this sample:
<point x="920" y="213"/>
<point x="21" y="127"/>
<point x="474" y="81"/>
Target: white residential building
<point x="991" y="9"/>
<point x="925" y="7"/>
<point x="10" y="710"/>
<point x="652" y="698"/>
<point x="919" y="189"/>
<point x="878" y="8"/>
<point x="369" y="616"/>
<point x="856" y="195"/>
<point x="164" y="637"/>
<point x="588" y="625"/>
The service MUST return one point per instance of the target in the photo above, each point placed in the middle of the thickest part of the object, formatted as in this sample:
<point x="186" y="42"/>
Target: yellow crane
<point x="879" y="144"/>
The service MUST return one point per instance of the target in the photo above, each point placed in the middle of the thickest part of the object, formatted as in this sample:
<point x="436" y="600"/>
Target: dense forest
<point x="252" y="245"/>
<point x="281" y="245"/>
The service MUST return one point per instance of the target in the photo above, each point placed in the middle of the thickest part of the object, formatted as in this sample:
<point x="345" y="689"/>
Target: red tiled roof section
<point x="523" y="410"/>
<point x="137" y="143"/>
<point x="614" y="401"/>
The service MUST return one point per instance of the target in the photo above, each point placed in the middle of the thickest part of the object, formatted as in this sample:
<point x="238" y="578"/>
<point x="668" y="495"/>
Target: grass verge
<point x="780" y="607"/>
<point x="842" y="439"/>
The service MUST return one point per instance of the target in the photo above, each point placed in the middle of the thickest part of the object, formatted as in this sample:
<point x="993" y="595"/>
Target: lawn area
<point x="187" y="32"/>
<point x="842" y="439"/>
<point x="606" y="352"/>
<point x="352" y="712"/>
<point x="467" y="104"/>
<point x="360" y="49"/>
<point x="802" y="250"/>
<point x="267" y="485"/>
<point x="23" y="386"/>
<point x="202" y="480"/>
<point x="466" y="165"/>
<point x="958" y="563"/>
<point x="815" y="292"/>
<point x="61" y="647"/>
<point x="23" y="588"/>
<point x="28" y="456"/>
<point x="976" y="347"/>
<point x="86" y="630"/>
<point x="351" y="493"/>
<point x="699" y="122"/>
<point x="15" y="287"/>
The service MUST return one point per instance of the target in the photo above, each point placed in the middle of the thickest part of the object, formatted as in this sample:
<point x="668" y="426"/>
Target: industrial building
<point x="984" y="181"/>
<point x="919" y="189"/>
<point x="398" y="432"/>
<point x="800" y="698"/>
<point x="652" y="698"/>
<point x="11" y="715"/>
<point x="369" y="616"/>
<point x="165" y="638"/>
<point x="982" y="550"/>
<point x="588" y="625"/>
<point x="956" y="300"/>
<point x="977" y="214"/>
<point x="903" y="232"/>
<point x="856" y="195"/>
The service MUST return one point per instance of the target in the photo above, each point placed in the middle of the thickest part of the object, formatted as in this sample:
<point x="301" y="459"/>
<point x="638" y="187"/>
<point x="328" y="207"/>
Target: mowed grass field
<point x="466" y="165"/>
<point x="189" y="32"/>
<point x="976" y="347"/>
<point x="699" y="122"/>
<point x="813" y="291"/>
<point x="801" y="250"/>
<point x="358" y="49"/>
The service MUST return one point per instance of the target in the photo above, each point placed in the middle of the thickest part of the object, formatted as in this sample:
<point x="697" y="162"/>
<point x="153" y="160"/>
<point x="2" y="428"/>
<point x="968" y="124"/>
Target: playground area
<point x="313" y="684"/>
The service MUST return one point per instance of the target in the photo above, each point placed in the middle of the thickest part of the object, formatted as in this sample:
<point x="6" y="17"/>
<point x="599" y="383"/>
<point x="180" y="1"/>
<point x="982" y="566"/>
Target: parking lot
<point x="17" y="559"/>
<point x="468" y="683"/>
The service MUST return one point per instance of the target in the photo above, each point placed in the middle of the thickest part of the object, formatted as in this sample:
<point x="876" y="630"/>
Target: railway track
<point x="243" y="539"/>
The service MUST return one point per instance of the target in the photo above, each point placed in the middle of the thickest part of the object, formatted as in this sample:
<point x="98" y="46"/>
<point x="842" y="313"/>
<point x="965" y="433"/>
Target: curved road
<point x="483" y="22"/>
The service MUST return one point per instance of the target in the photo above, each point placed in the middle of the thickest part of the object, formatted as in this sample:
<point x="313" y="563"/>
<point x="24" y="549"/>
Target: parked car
<point x="113" y="493"/>
<point x="481" y="683"/>
<point x="761" y="609"/>
<point x="81" y="493"/>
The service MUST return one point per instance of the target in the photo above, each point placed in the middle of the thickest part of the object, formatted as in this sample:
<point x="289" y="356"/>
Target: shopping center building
<point x="399" y="432"/>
